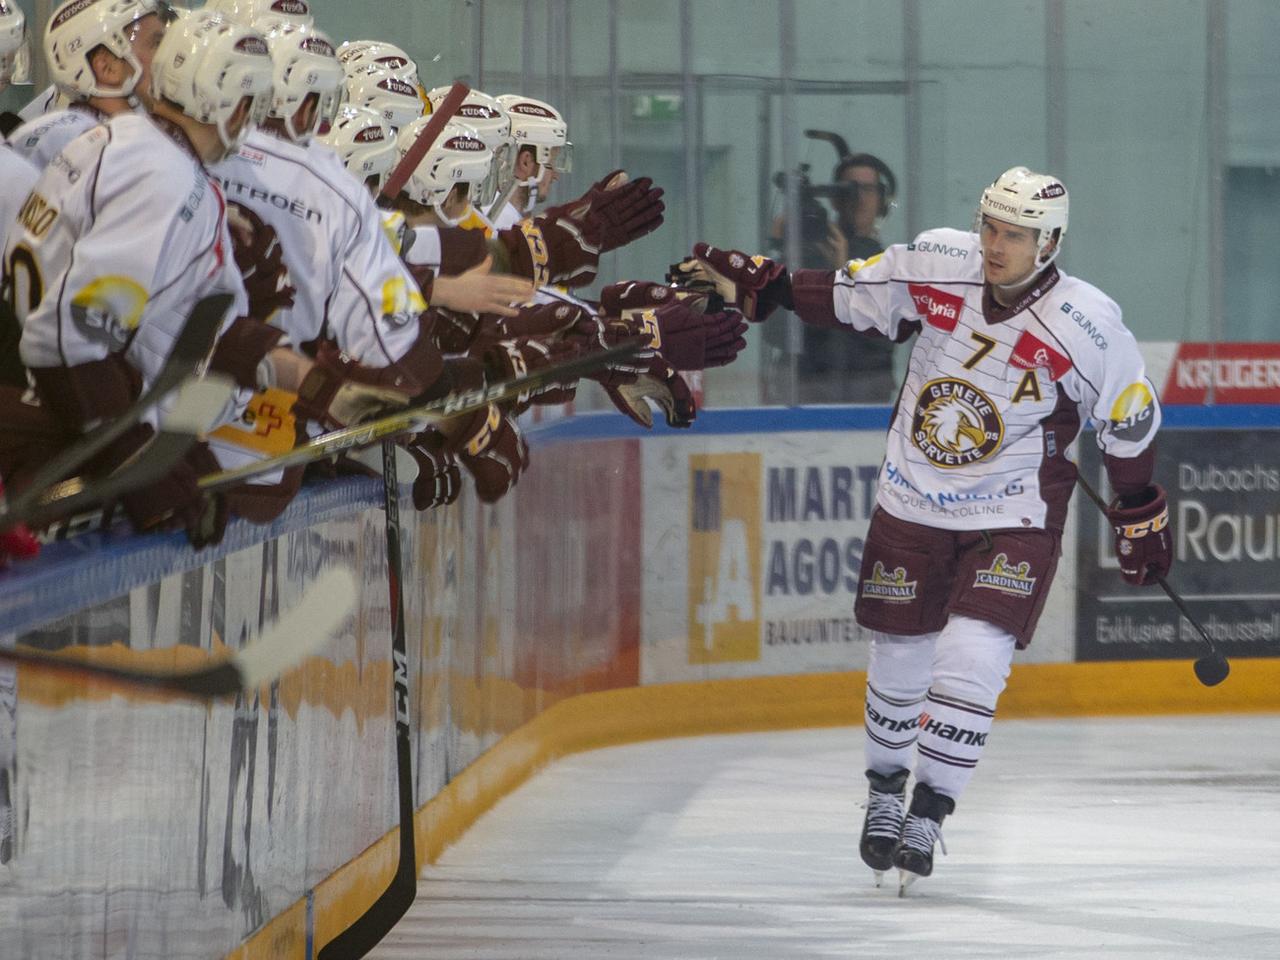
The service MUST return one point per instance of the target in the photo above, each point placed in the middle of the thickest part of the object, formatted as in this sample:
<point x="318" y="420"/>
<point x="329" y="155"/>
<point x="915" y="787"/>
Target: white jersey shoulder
<point x="941" y="254"/>
<point x="350" y="284"/>
<point x="46" y="101"/>
<point x="124" y="232"/>
<point x="508" y="216"/>
<point x="17" y="177"/>
<point x="43" y="138"/>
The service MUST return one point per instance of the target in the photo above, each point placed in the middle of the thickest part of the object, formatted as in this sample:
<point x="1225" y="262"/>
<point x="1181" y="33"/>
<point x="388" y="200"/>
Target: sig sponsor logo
<point x="1013" y="579"/>
<point x="1084" y="323"/>
<point x="955" y="423"/>
<point x="1134" y="413"/>
<point x="890" y="586"/>
<point x="940" y="309"/>
<point x="724" y="557"/>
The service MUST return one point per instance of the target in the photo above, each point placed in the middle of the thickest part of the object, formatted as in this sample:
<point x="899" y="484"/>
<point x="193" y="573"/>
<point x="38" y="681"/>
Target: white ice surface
<point x="1117" y="839"/>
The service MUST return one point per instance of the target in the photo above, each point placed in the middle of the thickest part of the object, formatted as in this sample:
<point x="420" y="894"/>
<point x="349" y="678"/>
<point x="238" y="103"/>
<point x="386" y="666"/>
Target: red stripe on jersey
<point x="940" y="310"/>
<point x="1031" y="352"/>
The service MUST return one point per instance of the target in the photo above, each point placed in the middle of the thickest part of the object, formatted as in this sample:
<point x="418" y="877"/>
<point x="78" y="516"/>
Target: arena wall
<point x="634" y="586"/>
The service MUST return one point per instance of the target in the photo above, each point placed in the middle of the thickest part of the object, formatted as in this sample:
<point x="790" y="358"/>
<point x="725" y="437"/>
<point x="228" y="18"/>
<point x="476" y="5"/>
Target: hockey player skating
<point x="1011" y="356"/>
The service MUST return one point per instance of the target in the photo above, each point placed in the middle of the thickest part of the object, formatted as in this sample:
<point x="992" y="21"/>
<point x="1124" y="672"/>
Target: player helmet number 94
<point x="1028" y="199"/>
<point x="208" y="66"/>
<point x="539" y="125"/>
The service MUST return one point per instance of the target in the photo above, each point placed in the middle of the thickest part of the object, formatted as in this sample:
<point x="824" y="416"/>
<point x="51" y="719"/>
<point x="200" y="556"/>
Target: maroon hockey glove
<point x="613" y="216"/>
<point x="665" y="387"/>
<point x="496" y="469"/>
<point x="541" y="320"/>
<point x="508" y="359"/>
<point x="261" y="261"/>
<point x="551" y="251"/>
<point x="177" y="502"/>
<point x="439" y="481"/>
<point x="338" y="392"/>
<point x="1144" y="542"/>
<point x="469" y="432"/>
<point x="755" y="285"/>
<point x="689" y="339"/>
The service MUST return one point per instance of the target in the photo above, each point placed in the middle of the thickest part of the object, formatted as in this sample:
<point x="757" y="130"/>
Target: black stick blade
<point x="1212" y="669"/>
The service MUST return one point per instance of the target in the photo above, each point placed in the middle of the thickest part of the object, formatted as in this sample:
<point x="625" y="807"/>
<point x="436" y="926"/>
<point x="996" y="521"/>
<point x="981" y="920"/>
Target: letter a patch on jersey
<point x="939" y="309"/>
<point x="1031" y="352"/>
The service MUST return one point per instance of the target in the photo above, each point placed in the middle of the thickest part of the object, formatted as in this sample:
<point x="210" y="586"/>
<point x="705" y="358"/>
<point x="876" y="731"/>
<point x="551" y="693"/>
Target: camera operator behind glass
<point x="834" y="366"/>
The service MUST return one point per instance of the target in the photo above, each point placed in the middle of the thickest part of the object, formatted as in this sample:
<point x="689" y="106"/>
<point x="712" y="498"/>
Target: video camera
<point x="815" y="217"/>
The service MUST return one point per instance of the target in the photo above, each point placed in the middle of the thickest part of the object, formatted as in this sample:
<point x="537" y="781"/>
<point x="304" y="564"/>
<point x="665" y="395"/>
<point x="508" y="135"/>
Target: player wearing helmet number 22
<point x="1011" y="356"/>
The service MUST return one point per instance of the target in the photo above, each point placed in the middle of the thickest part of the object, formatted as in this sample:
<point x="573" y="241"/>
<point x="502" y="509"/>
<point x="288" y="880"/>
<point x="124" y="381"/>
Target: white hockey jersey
<point x="350" y="283"/>
<point x="993" y="396"/>
<point x="43" y="102"/>
<point x="17" y="177"/>
<point x="121" y="235"/>
<point x="41" y="139"/>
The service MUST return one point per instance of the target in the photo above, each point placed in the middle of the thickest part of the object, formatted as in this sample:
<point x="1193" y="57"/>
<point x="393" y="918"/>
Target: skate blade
<point x="879" y="875"/>
<point x="905" y="879"/>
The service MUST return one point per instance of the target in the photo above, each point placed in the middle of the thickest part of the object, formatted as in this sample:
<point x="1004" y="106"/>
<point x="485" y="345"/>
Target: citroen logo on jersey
<point x="955" y="423"/>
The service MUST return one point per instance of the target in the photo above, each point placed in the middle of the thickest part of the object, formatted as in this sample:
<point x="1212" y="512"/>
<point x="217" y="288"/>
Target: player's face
<point x="145" y="35"/>
<point x="1008" y="252"/>
<point x="860" y="210"/>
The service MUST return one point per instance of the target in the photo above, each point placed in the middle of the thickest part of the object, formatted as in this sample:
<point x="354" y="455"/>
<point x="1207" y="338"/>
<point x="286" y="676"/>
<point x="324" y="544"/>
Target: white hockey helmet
<point x="13" y="31"/>
<point x="207" y="65"/>
<point x="303" y="63"/>
<point x="539" y="125"/>
<point x="77" y="28"/>
<point x="264" y="14"/>
<point x="457" y="156"/>
<point x="357" y="55"/>
<point x="490" y="120"/>
<point x="1028" y="199"/>
<point x="397" y="101"/>
<point x="365" y="143"/>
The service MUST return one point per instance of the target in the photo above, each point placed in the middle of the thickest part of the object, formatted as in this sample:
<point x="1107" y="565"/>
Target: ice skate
<point x="886" y="809"/>
<point x="913" y="855"/>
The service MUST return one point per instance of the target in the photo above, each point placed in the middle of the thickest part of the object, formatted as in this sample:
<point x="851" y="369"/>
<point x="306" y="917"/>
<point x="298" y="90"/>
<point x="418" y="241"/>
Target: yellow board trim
<point x="615" y="717"/>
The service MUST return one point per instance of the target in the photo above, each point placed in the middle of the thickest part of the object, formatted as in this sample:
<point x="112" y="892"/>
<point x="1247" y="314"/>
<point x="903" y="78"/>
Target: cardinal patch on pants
<point x="1013" y="579"/>
<point x="893" y="587"/>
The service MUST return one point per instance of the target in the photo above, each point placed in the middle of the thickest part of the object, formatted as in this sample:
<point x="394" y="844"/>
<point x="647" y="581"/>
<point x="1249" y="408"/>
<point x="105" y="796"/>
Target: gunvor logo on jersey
<point x="891" y="587"/>
<point x="955" y="423"/>
<point x="1007" y="578"/>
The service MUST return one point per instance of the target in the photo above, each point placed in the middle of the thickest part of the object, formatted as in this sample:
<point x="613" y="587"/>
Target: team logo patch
<point x="1133" y="413"/>
<point x="940" y="310"/>
<point x="893" y="587"/>
<point x="955" y="424"/>
<point x="1015" y="580"/>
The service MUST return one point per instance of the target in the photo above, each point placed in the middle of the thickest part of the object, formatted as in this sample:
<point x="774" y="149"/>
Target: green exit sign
<point x="657" y="106"/>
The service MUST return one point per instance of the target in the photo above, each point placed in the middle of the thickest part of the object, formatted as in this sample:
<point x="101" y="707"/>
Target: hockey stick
<point x="1212" y="668"/>
<point x="416" y="419"/>
<point x="413" y="420"/>
<point x="297" y="635"/>
<point x="190" y="349"/>
<point x="392" y="186"/>
<point x="385" y="912"/>
<point x="196" y="409"/>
